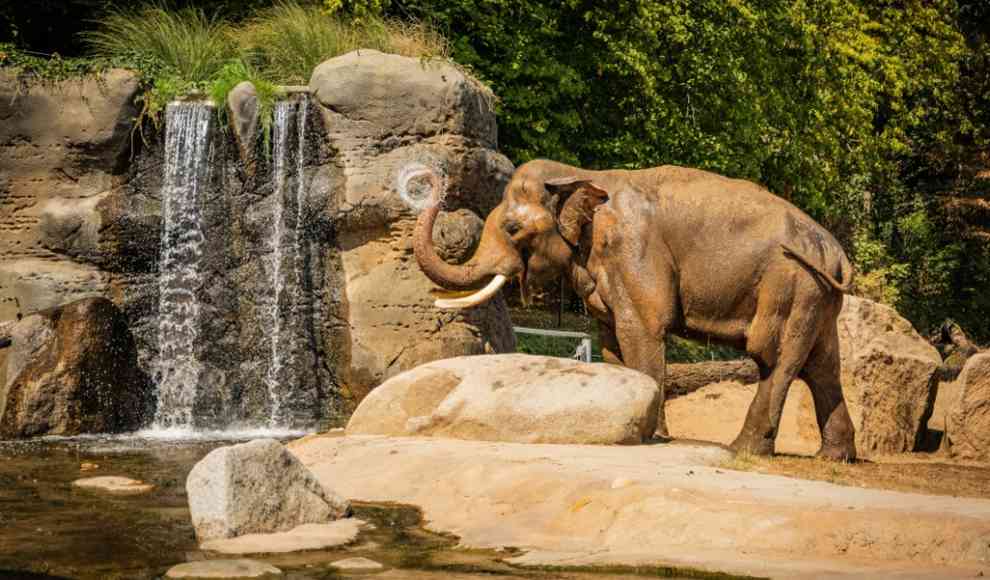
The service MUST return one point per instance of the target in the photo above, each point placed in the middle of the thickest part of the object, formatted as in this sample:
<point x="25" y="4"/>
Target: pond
<point x="51" y="530"/>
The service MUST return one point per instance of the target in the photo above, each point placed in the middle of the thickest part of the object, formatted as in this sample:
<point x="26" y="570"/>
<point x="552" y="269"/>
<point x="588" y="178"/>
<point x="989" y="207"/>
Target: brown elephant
<point x="674" y="250"/>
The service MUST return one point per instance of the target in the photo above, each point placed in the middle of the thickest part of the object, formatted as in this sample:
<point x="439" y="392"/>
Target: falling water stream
<point x="283" y="308"/>
<point x="188" y="157"/>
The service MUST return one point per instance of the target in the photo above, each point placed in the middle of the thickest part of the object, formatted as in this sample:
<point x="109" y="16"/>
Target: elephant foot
<point x="754" y="445"/>
<point x="661" y="431"/>
<point x="842" y="452"/>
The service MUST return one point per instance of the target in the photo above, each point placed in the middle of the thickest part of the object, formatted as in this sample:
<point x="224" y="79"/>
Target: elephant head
<point x="533" y="234"/>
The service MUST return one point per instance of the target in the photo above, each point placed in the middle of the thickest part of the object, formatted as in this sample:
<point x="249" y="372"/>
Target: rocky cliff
<point x="305" y="287"/>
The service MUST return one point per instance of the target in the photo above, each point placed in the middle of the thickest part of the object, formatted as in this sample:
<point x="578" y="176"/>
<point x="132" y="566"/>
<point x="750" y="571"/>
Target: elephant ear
<point x="582" y="197"/>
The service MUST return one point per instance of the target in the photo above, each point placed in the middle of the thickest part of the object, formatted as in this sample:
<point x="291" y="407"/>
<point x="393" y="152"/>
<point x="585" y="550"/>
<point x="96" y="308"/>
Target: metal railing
<point x="583" y="351"/>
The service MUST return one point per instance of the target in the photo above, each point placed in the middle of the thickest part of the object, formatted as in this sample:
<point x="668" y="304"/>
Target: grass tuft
<point x="176" y="52"/>
<point x="287" y="41"/>
<point x="184" y="43"/>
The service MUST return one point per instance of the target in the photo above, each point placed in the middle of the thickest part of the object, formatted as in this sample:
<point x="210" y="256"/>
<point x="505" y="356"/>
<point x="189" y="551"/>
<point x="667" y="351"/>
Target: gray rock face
<point x="889" y="377"/>
<point x="968" y="423"/>
<point x="71" y="370"/>
<point x="256" y="488"/>
<point x="513" y="398"/>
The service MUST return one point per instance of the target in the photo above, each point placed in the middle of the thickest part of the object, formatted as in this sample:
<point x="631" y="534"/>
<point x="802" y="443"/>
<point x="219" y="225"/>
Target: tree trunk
<point x="682" y="379"/>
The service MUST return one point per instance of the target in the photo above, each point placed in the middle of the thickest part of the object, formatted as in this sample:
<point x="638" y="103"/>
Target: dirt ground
<point x="917" y="473"/>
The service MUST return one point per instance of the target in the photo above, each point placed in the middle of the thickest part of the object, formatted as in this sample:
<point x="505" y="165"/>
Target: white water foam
<point x="283" y="310"/>
<point x="415" y="182"/>
<point x="188" y="156"/>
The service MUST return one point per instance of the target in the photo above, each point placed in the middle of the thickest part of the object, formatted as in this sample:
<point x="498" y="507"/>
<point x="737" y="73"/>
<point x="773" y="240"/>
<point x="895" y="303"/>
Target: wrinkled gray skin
<point x="683" y="251"/>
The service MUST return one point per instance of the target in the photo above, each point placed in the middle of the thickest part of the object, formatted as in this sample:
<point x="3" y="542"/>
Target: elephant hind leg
<point x="780" y="338"/>
<point x="822" y="373"/>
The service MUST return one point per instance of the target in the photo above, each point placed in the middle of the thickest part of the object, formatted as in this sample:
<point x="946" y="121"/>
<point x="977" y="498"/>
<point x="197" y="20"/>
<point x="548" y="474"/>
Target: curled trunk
<point x="494" y="255"/>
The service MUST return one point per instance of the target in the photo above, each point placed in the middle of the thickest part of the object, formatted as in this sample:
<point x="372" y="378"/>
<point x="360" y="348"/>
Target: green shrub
<point x="288" y="40"/>
<point x="176" y="52"/>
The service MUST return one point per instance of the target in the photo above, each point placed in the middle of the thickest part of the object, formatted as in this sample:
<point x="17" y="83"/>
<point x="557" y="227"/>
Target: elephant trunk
<point x="494" y="261"/>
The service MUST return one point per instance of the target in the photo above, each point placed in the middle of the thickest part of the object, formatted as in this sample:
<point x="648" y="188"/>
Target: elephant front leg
<point x="611" y="353"/>
<point x="644" y="351"/>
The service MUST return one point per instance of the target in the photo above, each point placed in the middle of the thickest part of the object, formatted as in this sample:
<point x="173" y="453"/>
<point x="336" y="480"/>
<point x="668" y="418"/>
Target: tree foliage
<point x="862" y="112"/>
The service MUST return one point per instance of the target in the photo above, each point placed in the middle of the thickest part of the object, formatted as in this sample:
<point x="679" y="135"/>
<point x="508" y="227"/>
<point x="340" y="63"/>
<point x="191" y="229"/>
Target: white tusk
<point x="479" y="297"/>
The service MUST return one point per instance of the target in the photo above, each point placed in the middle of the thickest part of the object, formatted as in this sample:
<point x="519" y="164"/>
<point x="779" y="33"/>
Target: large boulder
<point x="513" y="398"/>
<point x="385" y="114"/>
<point x="889" y="377"/>
<point x="256" y="488"/>
<point x="968" y="421"/>
<point x="73" y="369"/>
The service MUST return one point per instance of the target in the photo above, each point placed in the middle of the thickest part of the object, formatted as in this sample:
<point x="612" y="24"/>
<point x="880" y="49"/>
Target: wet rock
<point x="889" y="377"/>
<point x="516" y="398"/>
<point x="73" y="369"/>
<point x="968" y="422"/>
<point x="357" y="564"/>
<point x="256" y="488"/>
<point x="114" y="484"/>
<point x="304" y="537"/>
<point x="242" y="568"/>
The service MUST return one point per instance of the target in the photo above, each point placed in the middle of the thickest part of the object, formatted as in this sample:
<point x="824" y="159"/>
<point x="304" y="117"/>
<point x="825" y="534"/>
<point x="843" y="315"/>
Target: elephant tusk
<point x="479" y="297"/>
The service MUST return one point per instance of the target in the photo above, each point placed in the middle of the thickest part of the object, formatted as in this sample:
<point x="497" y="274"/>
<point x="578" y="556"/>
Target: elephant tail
<point x="846" y="271"/>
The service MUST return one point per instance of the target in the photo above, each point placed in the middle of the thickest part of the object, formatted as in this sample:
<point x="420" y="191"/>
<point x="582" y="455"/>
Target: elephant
<point x="673" y="250"/>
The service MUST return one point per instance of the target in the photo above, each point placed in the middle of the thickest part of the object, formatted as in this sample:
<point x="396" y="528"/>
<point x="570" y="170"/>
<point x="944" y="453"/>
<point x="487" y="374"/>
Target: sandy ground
<point x="667" y="504"/>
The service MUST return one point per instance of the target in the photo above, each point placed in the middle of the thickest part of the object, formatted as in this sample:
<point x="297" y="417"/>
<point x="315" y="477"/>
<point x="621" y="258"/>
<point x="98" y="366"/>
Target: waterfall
<point x="188" y="156"/>
<point x="283" y="310"/>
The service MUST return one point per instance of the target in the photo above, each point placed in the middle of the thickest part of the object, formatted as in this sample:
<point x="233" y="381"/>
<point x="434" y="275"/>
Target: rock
<point x="256" y="488"/>
<point x="242" y="568"/>
<point x="71" y="370"/>
<point x="63" y="148"/>
<point x="304" y="537"/>
<point x="968" y="422"/>
<point x="405" y="96"/>
<point x="358" y="563"/>
<point x="114" y="484"/>
<point x="682" y="379"/>
<point x="559" y="503"/>
<point x="889" y="377"/>
<point x="955" y="348"/>
<point x="456" y="235"/>
<point x="384" y="114"/>
<point x="513" y="397"/>
<point x="242" y="103"/>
